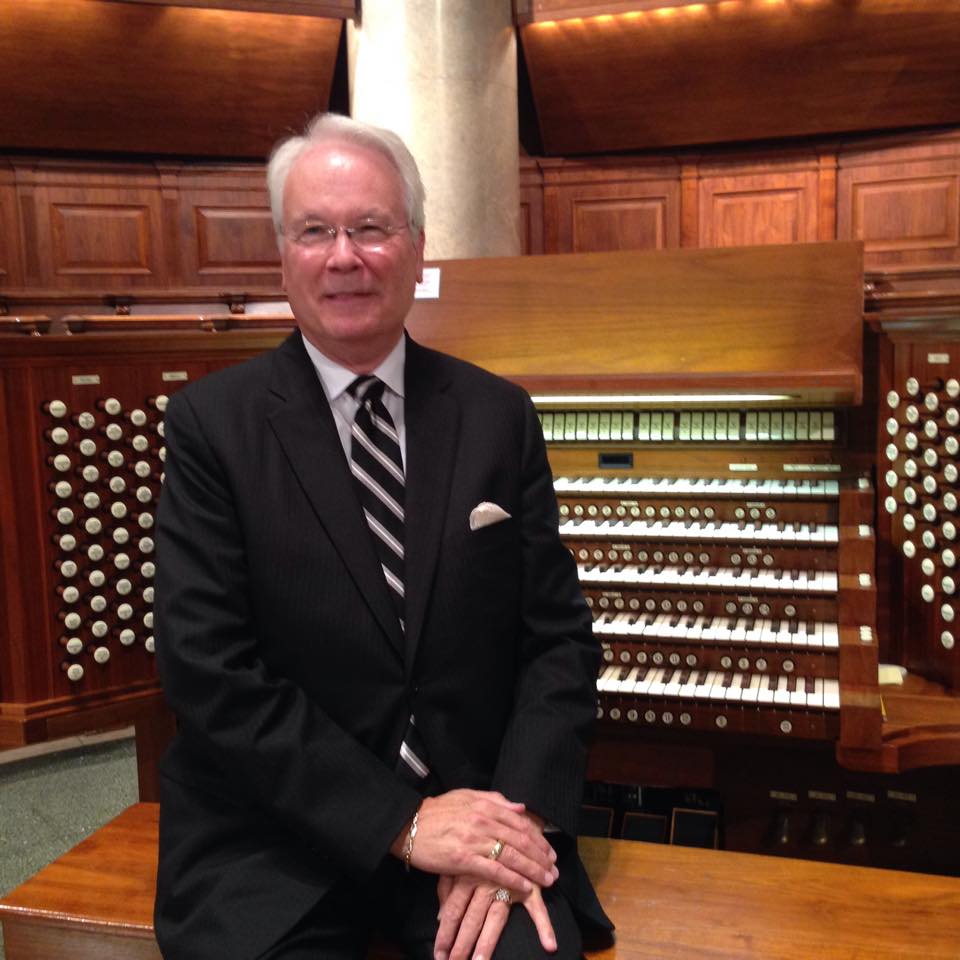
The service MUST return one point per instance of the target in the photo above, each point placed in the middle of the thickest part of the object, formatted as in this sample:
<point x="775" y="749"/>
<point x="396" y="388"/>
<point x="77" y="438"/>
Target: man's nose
<point x="343" y="253"/>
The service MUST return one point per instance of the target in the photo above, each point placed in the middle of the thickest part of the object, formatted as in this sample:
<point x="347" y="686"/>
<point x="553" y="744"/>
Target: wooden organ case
<point x="714" y="421"/>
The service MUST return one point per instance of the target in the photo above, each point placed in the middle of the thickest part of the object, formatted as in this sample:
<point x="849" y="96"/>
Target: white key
<point x="705" y="685"/>
<point x="831" y="694"/>
<point x="672" y="687"/>
<point x="718" y="691"/>
<point x="642" y="686"/>
<point x="750" y="693"/>
<point x="628" y="683"/>
<point x="722" y="629"/>
<point x="734" y="691"/>
<point x="605" y="678"/>
<point x="657" y="684"/>
<point x="613" y="684"/>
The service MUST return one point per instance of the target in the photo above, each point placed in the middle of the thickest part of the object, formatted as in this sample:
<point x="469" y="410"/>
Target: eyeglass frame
<point x="328" y="238"/>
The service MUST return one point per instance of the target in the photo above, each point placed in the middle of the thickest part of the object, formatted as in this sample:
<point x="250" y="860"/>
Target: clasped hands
<point x="456" y="836"/>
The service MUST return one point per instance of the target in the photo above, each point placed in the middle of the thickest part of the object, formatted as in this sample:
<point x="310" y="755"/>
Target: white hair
<point x="333" y="126"/>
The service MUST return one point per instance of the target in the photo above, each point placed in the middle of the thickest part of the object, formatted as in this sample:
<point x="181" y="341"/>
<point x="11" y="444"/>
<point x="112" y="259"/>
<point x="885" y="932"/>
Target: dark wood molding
<point x="336" y="9"/>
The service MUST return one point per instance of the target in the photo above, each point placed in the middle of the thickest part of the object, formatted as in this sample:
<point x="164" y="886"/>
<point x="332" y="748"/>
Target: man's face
<point x="349" y="302"/>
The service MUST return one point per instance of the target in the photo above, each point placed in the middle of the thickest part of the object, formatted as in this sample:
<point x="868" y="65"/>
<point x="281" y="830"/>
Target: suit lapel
<point x="432" y="426"/>
<point x="304" y="426"/>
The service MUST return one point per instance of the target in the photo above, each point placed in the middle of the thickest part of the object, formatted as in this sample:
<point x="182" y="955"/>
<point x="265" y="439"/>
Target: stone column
<point x="443" y="75"/>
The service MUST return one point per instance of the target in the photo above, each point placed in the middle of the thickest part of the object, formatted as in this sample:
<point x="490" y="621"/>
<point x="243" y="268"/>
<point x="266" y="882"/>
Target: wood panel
<point x="746" y="203"/>
<point x="226" y="232"/>
<point x="98" y="231"/>
<point x="902" y="201"/>
<point x="899" y="194"/>
<point x="11" y="272"/>
<point x="735" y="71"/>
<point x="101" y="229"/>
<point x="785" y="318"/>
<point x="610" y="205"/>
<point x="93" y="75"/>
<point x="531" y="206"/>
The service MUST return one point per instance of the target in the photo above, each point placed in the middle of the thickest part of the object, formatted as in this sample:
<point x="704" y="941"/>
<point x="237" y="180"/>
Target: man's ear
<point x="421" y="242"/>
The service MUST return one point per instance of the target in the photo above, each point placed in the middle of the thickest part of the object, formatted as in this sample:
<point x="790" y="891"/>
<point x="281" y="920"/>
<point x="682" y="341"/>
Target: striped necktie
<point x="377" y="467"/>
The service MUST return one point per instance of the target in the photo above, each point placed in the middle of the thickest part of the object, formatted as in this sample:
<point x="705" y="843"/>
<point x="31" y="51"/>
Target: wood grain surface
<point x="666" y="901"/>
<point x="785" y="319"/>
<point x="142" y="78"/>
<point x="739" y="70"/>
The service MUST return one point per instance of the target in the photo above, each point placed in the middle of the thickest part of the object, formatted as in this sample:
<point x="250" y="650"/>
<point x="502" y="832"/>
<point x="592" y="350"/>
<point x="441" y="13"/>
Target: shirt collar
<point x="336" y="379"/>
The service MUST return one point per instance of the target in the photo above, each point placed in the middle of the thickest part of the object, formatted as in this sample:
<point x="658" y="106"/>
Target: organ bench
<point x="96" y="901"/>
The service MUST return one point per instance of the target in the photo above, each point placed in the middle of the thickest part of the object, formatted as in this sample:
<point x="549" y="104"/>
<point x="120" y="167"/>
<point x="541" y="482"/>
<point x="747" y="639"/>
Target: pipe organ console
<point x="762" y="496"/>
<point x="711" y="422"/>
<point x="722" y="527"/>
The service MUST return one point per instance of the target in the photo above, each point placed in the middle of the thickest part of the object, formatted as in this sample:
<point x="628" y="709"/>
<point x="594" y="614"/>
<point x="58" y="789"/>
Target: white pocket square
<point x="483" y="514"/>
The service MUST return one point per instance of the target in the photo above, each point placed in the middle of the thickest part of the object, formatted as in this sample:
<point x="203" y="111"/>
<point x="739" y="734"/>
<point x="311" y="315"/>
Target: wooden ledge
<point x="667" y="902"/>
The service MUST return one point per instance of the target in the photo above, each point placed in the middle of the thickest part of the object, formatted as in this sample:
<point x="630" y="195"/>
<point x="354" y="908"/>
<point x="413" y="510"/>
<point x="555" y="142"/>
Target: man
<point x="374" y="642"/>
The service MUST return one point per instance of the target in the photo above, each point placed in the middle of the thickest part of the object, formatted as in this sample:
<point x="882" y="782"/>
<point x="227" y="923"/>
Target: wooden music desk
<point x="669" y="903"/>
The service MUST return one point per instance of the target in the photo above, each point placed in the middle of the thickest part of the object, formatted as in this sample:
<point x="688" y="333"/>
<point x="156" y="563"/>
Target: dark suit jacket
<point x="282" y="657"/>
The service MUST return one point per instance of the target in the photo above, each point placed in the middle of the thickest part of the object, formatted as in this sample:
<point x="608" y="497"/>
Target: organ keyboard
<point x="726" y="604"/>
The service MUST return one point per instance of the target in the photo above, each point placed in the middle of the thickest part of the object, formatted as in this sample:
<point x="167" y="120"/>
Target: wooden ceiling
<point x="611" y="75"/>
<point x="91" y="75"/>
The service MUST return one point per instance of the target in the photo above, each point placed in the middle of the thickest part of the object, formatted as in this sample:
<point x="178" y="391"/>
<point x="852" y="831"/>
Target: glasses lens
<point x="369" y="235"/>
<point x="310" y="233"/>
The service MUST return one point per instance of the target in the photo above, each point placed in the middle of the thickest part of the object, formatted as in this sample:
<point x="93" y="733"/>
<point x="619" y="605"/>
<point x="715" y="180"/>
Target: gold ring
<point x="495" y="852"/>
<point x="503" y="895"/>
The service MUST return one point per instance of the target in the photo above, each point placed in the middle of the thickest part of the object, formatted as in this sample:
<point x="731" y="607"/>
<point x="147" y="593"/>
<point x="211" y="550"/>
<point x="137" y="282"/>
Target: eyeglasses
<point x="368" y="235"/>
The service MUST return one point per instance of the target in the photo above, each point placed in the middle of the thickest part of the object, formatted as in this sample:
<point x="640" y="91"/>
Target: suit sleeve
<point x="273" y="745"/>
<point x="542" y="759"/>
